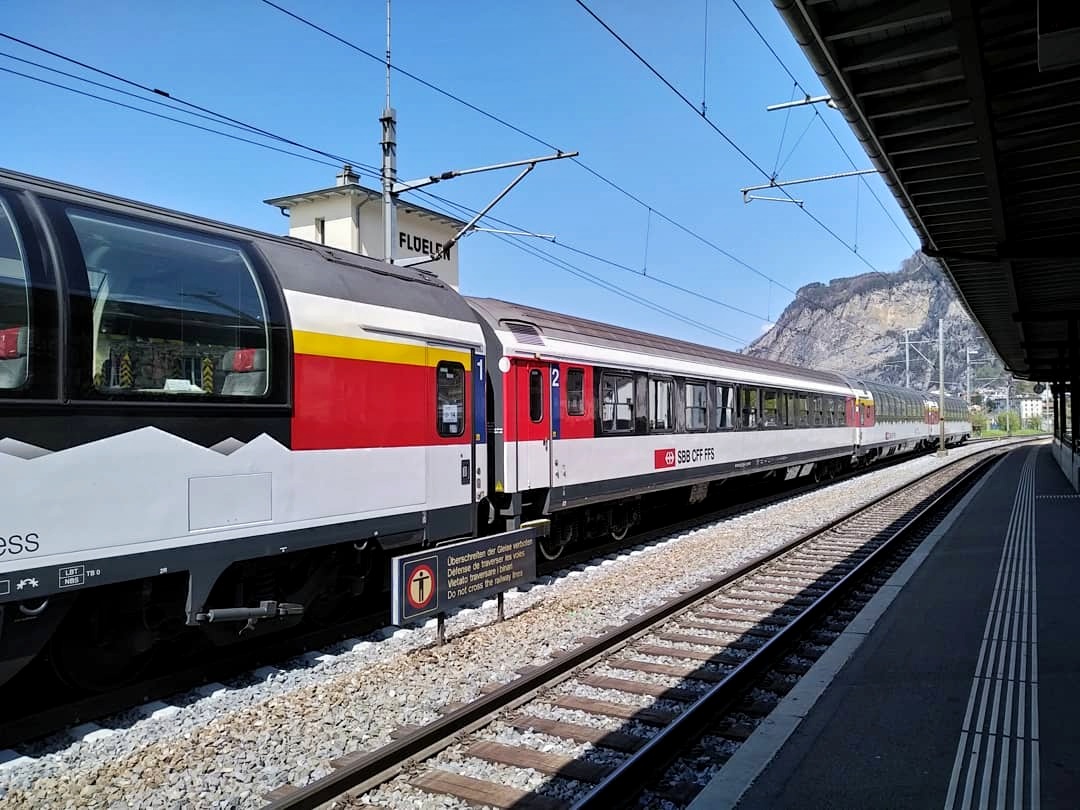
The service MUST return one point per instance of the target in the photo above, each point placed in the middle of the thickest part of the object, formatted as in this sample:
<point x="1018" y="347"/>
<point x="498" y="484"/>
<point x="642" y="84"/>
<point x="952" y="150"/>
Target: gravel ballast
<point x="228" y="749"/>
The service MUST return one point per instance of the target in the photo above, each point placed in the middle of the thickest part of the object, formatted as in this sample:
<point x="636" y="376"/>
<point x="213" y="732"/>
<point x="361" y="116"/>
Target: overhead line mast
<point x="391" y="187"/>
<point x="389" y="159"/>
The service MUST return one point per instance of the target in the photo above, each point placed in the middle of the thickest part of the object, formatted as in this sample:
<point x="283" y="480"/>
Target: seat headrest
<point x="14" y="342"/>
<point x="244" y="360"/>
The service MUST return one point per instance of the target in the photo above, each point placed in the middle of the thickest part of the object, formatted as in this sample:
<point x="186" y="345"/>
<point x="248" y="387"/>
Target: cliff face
<point x="856" y="325"/>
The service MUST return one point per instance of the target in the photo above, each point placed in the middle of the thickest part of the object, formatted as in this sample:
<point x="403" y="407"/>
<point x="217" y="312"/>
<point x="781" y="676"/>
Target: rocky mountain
<point x="856" y="325"/>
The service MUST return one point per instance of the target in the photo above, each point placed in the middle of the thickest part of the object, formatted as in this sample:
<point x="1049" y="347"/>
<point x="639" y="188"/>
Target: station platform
<point x="957" y="686"/>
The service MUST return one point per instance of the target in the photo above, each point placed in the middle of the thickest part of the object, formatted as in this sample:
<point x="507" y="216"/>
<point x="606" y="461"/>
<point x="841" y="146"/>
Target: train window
<point x="770" y="408"/>
<point x="14" y="305"/>
<point x="697" y="406"/>
<point x="617" y="403"/>
<point x="575" y="391"/>
<point x="173" y="313"/>
<point x="536" y="395"/>
<point x="802" y="410"/>
<point x="660" y="411"/>
<point x="815" y="410"/>
<point x="749" y="410"/>
<point x="725" y="407"/>
<point x="450" y="398"/>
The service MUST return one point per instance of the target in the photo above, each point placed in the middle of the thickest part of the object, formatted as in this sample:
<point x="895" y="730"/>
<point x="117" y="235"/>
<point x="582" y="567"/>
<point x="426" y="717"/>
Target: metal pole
<point x="969" y="378"/>
<point x="1008" y="415"/>
<point x="389" y="162"/>
<point x="907" y="358"/>
<point x="941" y="385"/>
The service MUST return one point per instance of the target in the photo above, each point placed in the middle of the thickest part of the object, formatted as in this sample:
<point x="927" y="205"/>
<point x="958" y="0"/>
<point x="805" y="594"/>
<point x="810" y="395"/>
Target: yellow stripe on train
<point x="383" y="351"/>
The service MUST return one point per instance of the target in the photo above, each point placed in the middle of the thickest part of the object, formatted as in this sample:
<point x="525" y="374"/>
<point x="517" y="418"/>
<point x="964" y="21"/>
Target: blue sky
<point x="548" y="68"/>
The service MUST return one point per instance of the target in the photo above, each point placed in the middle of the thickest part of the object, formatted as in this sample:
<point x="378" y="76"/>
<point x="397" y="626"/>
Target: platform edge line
<point x="739" y="773"/>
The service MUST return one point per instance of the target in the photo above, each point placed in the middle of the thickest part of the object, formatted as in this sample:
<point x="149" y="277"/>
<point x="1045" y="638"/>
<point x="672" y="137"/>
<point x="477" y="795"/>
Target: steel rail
<point x="626" y="780"/>
<point x="363" y="772"/>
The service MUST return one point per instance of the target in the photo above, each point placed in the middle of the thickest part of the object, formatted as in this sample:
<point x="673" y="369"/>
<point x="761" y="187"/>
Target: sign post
<point x="433" y="581"/>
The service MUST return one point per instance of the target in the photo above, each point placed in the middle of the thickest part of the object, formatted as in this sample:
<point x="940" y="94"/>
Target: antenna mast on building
<point x="391" y="187"/>
<point x="389" y="158"/>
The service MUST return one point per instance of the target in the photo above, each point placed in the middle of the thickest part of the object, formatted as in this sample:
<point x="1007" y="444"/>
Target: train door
<point x="534" y="401"/>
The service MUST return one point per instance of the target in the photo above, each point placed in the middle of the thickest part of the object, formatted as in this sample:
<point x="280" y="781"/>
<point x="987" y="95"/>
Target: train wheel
<point x="620" y="526"/>
<point x="553" y="546"/>
<point x="94" y="654"/>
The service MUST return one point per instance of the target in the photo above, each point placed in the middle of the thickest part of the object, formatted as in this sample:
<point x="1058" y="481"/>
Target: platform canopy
<point x="971" y="112"/>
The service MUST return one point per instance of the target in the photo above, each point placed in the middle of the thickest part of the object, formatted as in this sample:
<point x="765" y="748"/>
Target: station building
<point x="349" y="216"/>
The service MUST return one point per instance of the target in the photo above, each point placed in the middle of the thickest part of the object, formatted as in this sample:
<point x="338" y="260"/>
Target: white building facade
<point x="1031" y="407"/>
<point x="349" y="216"/>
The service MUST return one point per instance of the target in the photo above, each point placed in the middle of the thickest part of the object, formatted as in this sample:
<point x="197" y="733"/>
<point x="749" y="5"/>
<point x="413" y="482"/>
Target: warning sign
<point x="421" y="585"/>
<point x="439" y="579"/>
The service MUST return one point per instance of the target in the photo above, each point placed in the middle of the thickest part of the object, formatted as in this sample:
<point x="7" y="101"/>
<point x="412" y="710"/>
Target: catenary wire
<point x="550" y="259"/>
<point x="168" y="117"/>
<point x="228" y="121"/>
<point x="458" y="209"/>
<point x="539" y="254"/>
<point x="725" y="136"/>
<point x="541" y="141"/>
<point x="155" y="91"/>
<point x="817" y="114"/>
<point x="580" y="272"/>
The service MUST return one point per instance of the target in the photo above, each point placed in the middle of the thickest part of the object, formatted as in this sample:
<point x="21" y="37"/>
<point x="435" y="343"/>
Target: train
<point x="208" y="429"/>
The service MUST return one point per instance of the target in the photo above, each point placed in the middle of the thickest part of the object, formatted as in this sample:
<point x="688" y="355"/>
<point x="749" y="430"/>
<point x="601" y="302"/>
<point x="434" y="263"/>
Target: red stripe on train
<point x="342" y="403"/>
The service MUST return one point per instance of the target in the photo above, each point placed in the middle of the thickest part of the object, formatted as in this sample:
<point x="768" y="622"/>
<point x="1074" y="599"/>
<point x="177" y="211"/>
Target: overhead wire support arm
<point x="482" y="212"/>
<point x="802" y="102"/>
<point x="747" y="198"/>
<point x="548" y="236"/>
<point x="450" y="175"/>
<point x="780" y="183"/>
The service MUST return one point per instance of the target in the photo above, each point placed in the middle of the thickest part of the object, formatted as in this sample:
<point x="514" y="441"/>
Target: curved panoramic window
<point x="14" y="305"/>
<point x="173" y="313"/>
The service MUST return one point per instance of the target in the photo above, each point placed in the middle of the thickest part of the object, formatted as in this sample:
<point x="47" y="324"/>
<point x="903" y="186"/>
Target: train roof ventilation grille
<point x="524" y="332"/>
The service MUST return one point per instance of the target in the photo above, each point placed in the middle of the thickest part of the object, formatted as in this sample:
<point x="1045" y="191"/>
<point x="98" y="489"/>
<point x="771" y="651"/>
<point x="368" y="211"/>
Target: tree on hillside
<point x="978" y="421"/>
<point x="1008" y="420"/>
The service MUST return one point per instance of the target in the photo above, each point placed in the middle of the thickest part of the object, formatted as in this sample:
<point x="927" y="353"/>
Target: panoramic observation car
<point x="211" y="431"/>
<point x="200" y="423"/>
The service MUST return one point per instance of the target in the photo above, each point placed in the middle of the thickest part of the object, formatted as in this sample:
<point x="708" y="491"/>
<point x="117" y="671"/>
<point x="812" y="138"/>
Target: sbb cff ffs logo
<point x="670" y="457"/>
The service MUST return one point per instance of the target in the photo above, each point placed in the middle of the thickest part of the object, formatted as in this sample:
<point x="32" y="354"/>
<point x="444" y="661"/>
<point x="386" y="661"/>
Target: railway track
<point x="597" y="724"/>
<point x="34" y="718"/>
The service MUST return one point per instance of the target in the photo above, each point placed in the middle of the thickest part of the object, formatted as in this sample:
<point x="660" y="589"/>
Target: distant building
<point x="1031" y="407"/>
<point x="349" y="216"/>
